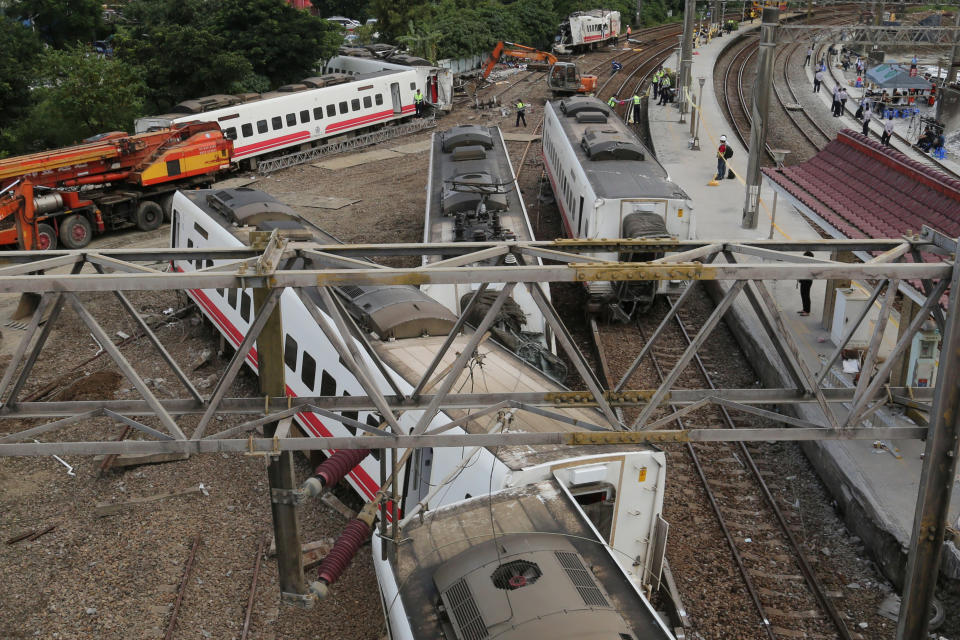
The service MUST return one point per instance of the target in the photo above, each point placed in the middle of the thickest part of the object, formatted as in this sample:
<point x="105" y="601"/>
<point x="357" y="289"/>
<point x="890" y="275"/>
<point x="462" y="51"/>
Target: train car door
<point x="395" y="95"/>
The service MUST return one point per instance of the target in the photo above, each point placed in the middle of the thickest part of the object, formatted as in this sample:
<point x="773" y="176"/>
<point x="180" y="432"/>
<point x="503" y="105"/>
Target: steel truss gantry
<point x="62" y="277"/>
<point x="911" y="35"/>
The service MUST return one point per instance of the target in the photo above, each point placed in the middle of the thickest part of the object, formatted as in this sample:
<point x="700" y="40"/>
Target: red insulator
<point x="355" y="534"/>
<point x="332" y="470"/>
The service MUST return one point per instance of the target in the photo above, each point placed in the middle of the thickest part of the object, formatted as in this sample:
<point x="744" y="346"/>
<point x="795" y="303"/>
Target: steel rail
<point x="808" y="573"/>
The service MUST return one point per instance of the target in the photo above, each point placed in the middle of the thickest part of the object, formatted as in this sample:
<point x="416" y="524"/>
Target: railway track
<point x="756" y="523"/>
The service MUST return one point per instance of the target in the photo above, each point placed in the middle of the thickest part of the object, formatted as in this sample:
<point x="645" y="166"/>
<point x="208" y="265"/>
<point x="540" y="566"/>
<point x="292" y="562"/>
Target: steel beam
<point x="875" y="341"/>
<point x="936" y="483"/>
<point x="45" y="301"/>
<point x="125" y="367"/>
<point x="712" y="321"/>
<point x="851" y="329"/>
<point x="508" y="439"/>
<point x="239" y="356"/>
<point x="21" y="380"/>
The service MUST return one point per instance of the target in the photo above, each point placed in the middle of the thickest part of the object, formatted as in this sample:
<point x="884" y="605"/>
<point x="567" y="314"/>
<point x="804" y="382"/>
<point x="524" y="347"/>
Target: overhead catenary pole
<point x="686" y="54"/>
<point x="761" y="105"/>
<point x="936" y="483"/>
<point x="639" y="18"/>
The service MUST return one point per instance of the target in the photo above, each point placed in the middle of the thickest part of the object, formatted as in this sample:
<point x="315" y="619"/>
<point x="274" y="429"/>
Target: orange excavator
<point x="111" y="181"/>
<point x="563" y="77"/>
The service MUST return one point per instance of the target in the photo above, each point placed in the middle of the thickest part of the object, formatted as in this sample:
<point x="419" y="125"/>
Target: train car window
<point x="355" y="104"/>
<point x="343" y="107"/>
<point x="304" y="116"/>
<point x="331" y="110"/>
<point x="232" y="298"/>
<point x="230" y="133"/>
<point x="349" y="414"/>
<point x="367" y="102"/>
<point x="378" y="98"/>
<point x="276" y="122"/>
<point x="373" y="420"/>
<point x="328" y="386"/>
<point x="201" y="231"/>
<point x="413" y="85"/>
<point x="308" y="370"/>
<point x="246" y="130"/>
<point x="580" y="215"/>
<point x="220" y="292"/>
<point x="290" y="352"/>
<point x="261" y="126"/>
<point x="189" y="243"/>
<point x="318" y="113"/>
<point x="175" y="230"/>
<point x="291" y="119"/>
<point x="245" y="303"/>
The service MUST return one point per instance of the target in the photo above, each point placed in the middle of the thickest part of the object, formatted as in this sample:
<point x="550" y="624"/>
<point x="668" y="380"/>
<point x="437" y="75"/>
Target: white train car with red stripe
<point x="436" y="83"/>
<point x="302" y="115"/>
<point x="603" y="497"/>
<point x="584" y="30"/>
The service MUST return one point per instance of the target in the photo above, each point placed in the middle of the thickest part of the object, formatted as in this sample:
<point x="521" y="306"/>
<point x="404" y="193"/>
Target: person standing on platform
<point x="887" y="132"/>
<point x="656" y="83"/>
<point x="418" y="102"/>
<point x="843" y="101"/>
<point x="664" y="89"/>
<point x="521" y="113"/>
<point x="636" y="108"/>
<point x="722" y="159"/>
<point x="817" y="81"/>
<point x="867" y="116"/>
<point x="809" y="55"/>
<point x="805" y="286"/>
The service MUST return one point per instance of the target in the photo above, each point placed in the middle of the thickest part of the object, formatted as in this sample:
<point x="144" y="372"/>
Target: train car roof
<point x="466" y="163"/>
<point x="536" y="525"/>
<point x="610" y="176"/>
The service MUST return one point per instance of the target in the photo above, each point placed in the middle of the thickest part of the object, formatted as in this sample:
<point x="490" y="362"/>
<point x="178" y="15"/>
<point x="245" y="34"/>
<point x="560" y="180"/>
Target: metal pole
<point x="761" y="104"/>
<point x="778" y="156"/>
<point x="686" y="54"/>
<point x="639" y="19"/>
<point x="954" y="61"/>
<point x="936" y="482"/>
<point x="696" y="117"/>
<point x="281" y="475"/>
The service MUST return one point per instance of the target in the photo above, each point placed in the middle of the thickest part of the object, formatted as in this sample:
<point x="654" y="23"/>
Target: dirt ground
<point x="118" y="576"/>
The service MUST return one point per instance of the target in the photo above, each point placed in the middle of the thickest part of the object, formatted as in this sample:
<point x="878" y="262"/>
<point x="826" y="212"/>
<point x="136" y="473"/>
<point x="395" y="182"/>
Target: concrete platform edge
<point x="859" y="512"/>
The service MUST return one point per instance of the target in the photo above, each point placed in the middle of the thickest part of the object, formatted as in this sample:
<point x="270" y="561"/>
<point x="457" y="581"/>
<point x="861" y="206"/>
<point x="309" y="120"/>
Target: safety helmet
<point x="723" y="138"/>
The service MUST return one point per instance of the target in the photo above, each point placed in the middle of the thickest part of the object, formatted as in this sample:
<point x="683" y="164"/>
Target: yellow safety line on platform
<point x="714" y="143"/>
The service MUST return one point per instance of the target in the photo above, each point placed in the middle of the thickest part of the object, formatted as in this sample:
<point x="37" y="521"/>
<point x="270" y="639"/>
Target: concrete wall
<point x="948" y="109"/>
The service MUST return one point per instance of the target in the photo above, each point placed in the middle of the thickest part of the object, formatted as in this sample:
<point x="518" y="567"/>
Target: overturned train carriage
<point x="572" y="534"/>
<point x="609" y="185"/>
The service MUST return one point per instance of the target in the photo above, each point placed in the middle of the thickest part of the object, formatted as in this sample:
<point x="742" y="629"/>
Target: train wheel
<point x="46" y="237"/>
<point x="166" y="203"/>
<point x="149" y="215"/>
<point x="75" y="232"/>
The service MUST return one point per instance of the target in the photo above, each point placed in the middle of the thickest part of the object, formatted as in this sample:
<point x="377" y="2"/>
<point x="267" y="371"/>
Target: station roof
<point x="865" y="190"/>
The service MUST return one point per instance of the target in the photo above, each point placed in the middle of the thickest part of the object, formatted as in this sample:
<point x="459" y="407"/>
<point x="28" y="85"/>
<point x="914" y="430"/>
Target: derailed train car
<point x="609" y="185"/>
<point x="583" y="30"/>
<point x="562" y="541"/>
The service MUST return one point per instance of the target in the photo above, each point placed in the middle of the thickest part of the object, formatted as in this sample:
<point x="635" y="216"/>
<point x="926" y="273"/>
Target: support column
<point x="686" y="55"/>
<point x="286" y="525"/>
<point x="830" y="296"/>
<point x="936" y="481"/>
<point x="761" y="104"/>
<point x="639" y="19"/>
<point x="954" y="60"/>
<point x="908" y="311"/>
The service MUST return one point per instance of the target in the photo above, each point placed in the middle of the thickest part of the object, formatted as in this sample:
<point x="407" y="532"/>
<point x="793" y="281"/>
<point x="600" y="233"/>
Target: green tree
<point x="280" y="43"/>
<point x="62" y="22"/>
<point x="18" y="57"/>
<point x="421" y="41"/>
<point x="80" y="95"/>
<point x="394" y="16"/>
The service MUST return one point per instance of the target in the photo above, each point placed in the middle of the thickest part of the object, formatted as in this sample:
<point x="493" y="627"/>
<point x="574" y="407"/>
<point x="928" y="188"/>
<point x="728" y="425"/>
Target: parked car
<point x="347" y="23"/>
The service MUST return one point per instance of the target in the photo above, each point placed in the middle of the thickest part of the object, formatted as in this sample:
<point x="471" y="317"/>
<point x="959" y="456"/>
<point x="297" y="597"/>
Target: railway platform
<point x="874" y="484"/>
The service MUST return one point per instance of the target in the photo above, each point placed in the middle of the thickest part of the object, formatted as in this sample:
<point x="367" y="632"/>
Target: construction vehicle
<point x="535" y="59"/>
<point x="111" y="181"/>
<point x="565" y="79"/>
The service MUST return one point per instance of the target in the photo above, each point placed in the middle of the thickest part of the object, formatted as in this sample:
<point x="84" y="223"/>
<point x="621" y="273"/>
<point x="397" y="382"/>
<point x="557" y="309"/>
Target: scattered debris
<point x="253" y="590"/>
<point x="183" y="587"/>
<point x="63" y="462"/>
<point x="104" y="509"/>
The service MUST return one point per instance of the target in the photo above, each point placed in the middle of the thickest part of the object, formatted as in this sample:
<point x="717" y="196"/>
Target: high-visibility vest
<point x="521" y="106"/>
<point x="666" y="81"/>
<point x="418" y="97"/>
<point x="612" y="102"/>
<point x="636" y="99"/>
